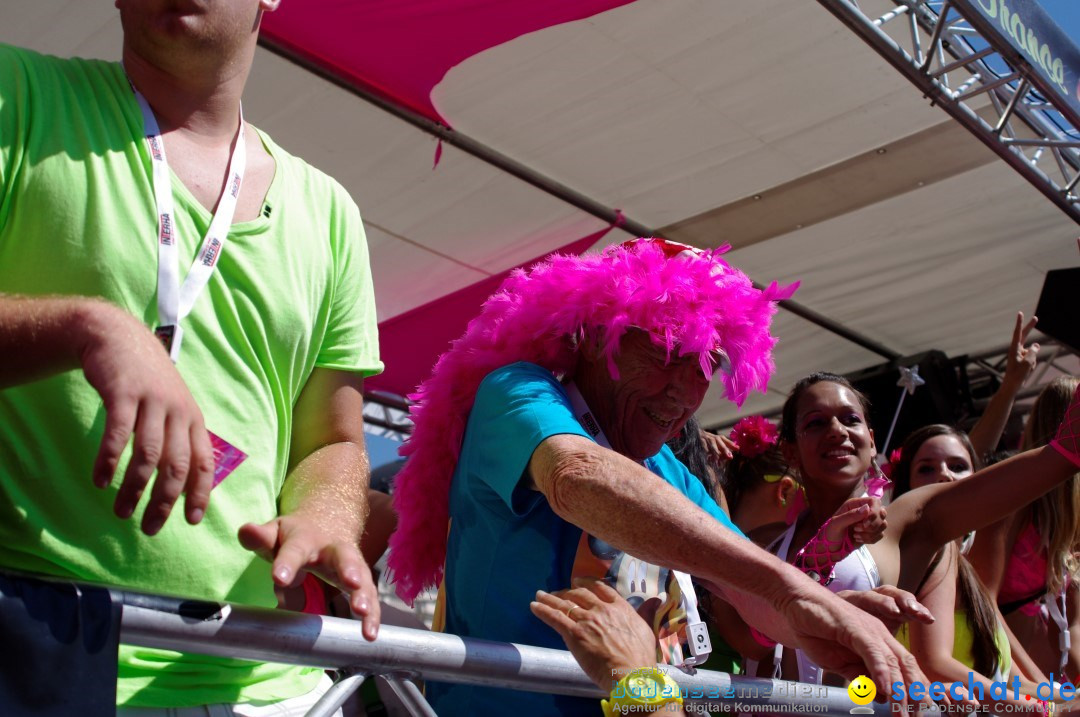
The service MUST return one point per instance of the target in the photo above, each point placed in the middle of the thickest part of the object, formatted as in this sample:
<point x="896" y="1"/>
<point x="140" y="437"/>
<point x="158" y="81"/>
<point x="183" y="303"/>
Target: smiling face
<point x="940" y="459"/>
<point x="833" y="442"/>
<point x="649" y="402"/>
<point x="862" y="690"/>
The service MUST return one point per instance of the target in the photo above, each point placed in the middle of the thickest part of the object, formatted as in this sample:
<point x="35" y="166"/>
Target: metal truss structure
<point x="979" y="376"/>
<point x="949" y="51"/>
<point x="386" y="415"/>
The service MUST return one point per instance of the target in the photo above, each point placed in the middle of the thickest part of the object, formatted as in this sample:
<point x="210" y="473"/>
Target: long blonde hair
<point x="1056" y="515"/>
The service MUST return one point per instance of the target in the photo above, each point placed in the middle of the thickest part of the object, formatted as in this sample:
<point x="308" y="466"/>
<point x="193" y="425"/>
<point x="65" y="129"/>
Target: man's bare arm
<point x="143" y="395"/>
<point x="323" y="504"/>
<point x="624" y="504"/>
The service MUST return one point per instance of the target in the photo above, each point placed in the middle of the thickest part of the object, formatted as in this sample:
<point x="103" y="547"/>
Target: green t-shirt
<point x="291" y="292"/>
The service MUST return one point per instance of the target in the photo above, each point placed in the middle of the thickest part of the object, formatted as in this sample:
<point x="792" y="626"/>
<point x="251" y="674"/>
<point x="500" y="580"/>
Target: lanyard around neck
<point x="175" y="301"/>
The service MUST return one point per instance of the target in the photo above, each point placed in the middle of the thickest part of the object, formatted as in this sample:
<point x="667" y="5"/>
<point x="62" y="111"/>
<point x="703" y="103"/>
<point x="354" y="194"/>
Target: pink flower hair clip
<point x="754" y="435"/>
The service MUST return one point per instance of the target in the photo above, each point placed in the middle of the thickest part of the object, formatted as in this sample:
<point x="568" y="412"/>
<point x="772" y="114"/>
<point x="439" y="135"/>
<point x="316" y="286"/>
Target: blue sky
<point x="1066" y="13"/>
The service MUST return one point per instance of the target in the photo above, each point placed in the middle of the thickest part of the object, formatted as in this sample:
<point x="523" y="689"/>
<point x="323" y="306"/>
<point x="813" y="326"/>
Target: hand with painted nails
<point x="720" y="449"/>
<point x="296" y="544"/>
<point x="870" y="528"/>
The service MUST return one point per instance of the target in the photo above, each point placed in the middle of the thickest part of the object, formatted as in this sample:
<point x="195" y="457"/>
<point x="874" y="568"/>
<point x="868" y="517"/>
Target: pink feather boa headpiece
<point x="689" y="300"/>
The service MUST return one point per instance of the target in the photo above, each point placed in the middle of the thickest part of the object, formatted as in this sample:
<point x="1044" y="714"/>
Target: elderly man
<point x="112" y="180"/>
<point x="541" y="437"/>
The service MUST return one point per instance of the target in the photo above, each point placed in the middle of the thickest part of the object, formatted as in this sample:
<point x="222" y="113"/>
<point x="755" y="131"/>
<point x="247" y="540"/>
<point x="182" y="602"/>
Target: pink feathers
<point x="691" y="303"/>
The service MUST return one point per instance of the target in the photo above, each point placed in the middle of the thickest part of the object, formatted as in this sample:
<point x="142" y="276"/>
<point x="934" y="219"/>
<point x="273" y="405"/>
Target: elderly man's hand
<point x="844" y="639"/>
<point x="295" y="544"/>
<point x="604" y="633"/>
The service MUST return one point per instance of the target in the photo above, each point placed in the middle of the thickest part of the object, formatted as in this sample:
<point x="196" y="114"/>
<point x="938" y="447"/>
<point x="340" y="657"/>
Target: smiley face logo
<point x="862" y="690"/>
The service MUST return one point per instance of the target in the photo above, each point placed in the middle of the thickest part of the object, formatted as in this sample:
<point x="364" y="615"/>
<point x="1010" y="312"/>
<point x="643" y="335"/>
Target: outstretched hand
<point x="890" y="604"/>
<point x="847" y="640"/>
<point x="144" y="394"/>
<point x="296" y="544"/>
<point x="604" y="633"/>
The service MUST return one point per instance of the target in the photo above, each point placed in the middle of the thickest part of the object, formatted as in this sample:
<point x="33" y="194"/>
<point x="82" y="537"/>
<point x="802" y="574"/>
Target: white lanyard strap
<point x="175" y="301"/>
<point x="1058" y="614"/>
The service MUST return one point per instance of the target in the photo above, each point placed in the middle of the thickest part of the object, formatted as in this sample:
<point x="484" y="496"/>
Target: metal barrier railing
<point x="269" y="635"/>
<point x="398" y="657"/>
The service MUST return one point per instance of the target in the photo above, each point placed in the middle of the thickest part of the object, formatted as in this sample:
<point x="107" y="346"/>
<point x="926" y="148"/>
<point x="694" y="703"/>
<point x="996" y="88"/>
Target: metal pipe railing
<point x="264" y="634"/>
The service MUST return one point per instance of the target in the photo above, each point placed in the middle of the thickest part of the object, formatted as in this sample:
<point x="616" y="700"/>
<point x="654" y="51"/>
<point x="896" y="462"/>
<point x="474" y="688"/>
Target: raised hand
<point x="1021" y="360"/>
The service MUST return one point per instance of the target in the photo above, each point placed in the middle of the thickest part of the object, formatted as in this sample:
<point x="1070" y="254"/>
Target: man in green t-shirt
<point x="270" y="330"/>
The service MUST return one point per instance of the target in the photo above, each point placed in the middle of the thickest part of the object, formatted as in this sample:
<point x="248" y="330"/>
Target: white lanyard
<point x="174" y="302"/>
<point x="588" y="421"/>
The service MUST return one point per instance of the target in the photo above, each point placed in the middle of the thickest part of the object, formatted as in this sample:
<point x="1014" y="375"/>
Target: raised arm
<point x="622" y="503"/>
<point x="1020" y="362"/>
<point x="933" y="515"/>
<point x="141" y="389"/>
<point x="323" y="504"/>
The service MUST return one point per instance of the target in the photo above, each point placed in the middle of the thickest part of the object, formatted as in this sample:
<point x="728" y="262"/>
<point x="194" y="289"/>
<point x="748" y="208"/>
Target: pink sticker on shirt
<point x="226" y="457"/>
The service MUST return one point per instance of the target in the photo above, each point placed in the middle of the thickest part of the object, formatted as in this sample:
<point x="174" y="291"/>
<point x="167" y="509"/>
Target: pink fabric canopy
<point x="401" y="49"/>
<point x="411" y="342"/>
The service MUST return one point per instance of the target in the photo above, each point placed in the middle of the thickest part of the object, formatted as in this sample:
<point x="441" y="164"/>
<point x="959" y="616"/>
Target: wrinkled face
<point x="834" y="443"/>
<point x="941" y="459"/>
<point x="652" y="398"/>
<point x="152" y="26"/>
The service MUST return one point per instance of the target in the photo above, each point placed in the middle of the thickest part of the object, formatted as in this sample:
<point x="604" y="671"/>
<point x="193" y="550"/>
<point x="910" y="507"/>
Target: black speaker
<point x="1057" y="307"/>
<point x="942" y="399"/>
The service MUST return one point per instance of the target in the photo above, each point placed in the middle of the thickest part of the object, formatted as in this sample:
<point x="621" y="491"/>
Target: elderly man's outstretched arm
<point x="623" y="503"/>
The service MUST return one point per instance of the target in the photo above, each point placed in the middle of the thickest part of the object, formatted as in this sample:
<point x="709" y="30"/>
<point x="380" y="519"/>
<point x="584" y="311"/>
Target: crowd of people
<point x="541" y="495"/>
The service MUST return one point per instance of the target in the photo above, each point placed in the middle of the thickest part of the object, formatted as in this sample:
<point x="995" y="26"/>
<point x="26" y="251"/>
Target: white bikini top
<point x="857" y="571"/>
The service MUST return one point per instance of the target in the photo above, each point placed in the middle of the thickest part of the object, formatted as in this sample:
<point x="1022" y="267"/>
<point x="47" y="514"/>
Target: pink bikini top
<point x="1025" y="575"/>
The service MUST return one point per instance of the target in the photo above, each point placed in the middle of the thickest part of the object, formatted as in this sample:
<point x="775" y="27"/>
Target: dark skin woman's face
<point x="833" y="440"/>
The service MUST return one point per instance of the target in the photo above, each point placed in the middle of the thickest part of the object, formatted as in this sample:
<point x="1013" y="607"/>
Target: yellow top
<point x="963" y="640"/>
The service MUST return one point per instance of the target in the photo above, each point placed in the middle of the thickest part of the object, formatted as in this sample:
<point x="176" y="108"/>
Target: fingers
<point x="293" y="553"/>
<point x="1018" y="331"/>
<point x="201" y="476"/>
<point x="553" y="618"/>
<point x="260" y="539"/>
<point x="582" y="595"/>
<point x="354" y="577"/>
<point x="842" y="521"/>
<point x="604" y="591"/>
<point x="553" y="611"/>
<point x="119" y="423"/>
<point x="905" y="605"/>
<point x="172" y="476"/>
<point x="145" y="457"/>
<point x="1027" y="327"/>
